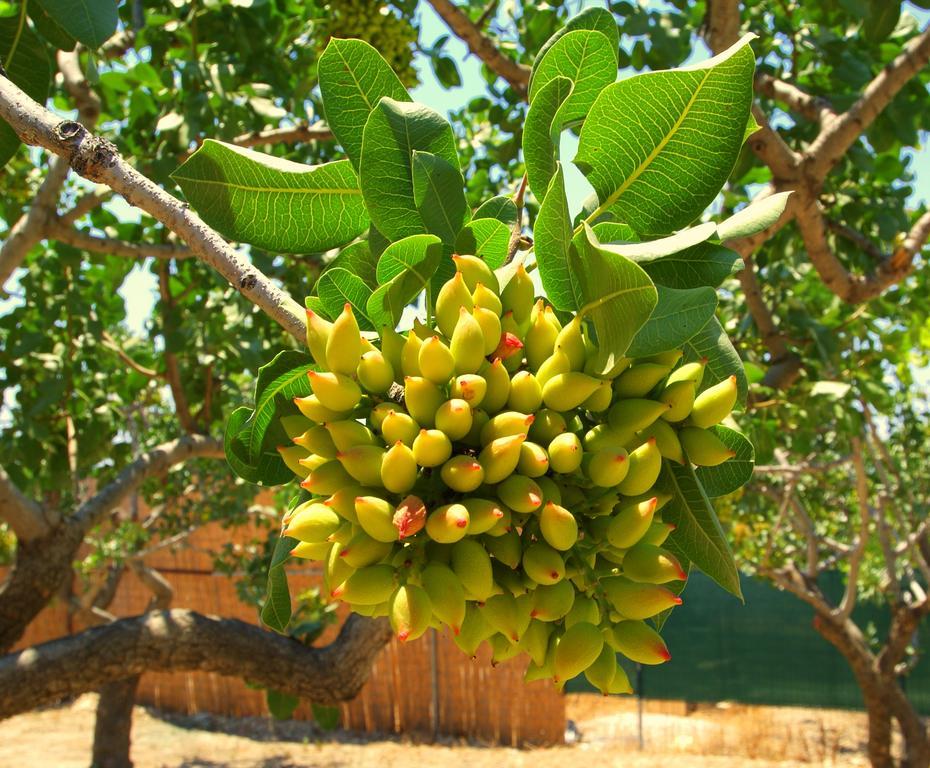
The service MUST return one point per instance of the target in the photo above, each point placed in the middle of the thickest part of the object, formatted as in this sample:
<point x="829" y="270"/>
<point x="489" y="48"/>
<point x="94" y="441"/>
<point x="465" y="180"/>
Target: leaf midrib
<point x="282" y="190"/>
<point x="614" y="196"/>
<point x="721" y="552"/>
<point x="591" y="306"/>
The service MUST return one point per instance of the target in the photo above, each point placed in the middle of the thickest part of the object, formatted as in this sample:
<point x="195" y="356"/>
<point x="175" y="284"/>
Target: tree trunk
<point x="846" y="637"/>
<point x="41" y="567"/>
<point x="114" y="724"/>
<point x="913" y="729"/>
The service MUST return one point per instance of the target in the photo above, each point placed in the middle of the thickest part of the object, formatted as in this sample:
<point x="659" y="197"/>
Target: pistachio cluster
<point x="477" y="475"/>
<point x="379" y="24"/>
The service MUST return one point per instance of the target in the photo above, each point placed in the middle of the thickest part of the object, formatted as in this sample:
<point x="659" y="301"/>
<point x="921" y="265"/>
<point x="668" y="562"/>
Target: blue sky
<point x="139" y="289"/>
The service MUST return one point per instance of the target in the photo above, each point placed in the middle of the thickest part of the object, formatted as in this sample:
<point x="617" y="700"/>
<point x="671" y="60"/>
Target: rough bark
<point x="44" y="564"/>
<point x="516" y="74"/>
<point x="113" y="726"/>
<point x="169" y="641"/>
<point x="96" y="159"/>
<point x="848" y="640"/>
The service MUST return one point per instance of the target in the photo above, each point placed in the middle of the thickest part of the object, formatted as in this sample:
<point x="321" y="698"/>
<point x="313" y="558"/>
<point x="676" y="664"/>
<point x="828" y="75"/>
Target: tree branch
<point x="56" y="229"/>
<point x="30" y="228"/>
<point x="154" y="462"/>
<point x="83" y="206"/>
<point x="813" y="108"/>
<point x="721" y="24"/>
<point x="169" y="641"/>
<point x="772" y="150"/>
<point x="299" y="134"/>
<point x="517" y="75"/>
<point x="854" y="289"/>
<point x="97" y="159"/>
<point x="841" y="133"/>
<point x="27" y="519"/>
<point x="110" y="343"/>
<point x="845" y="608"/>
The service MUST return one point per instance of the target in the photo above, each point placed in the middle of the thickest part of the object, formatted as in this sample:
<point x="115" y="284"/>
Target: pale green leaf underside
<point x="754" y="217"/>
<point x="615" y="294"/>
<point x="677" y="317"/>
<point x="588" y="60"/>
<point x="353" y="78"/>
<point x="734" y="473"/>
<point x="658" y="147"/>
<point x="704" y="264"/>
<point x="697" y="534"/>
<point x="665" y="246"/>
<point x="92" y="22"/>
<point x="273" y="203"/>
<point x="393" y="132"/>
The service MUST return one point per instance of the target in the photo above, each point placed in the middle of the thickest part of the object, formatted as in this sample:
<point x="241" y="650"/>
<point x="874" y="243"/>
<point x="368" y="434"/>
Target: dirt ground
<point x="604" y="731"/>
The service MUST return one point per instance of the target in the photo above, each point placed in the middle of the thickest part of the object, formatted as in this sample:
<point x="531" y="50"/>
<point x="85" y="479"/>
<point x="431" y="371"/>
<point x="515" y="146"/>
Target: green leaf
<point x="723" y="361"/>
<point x="252" y="437"/>
<point x="677" y="587"/>
<point x="734" y="473"/>
<point x="704" y="264"/>
<point x="697" y="535"/>
<point x="353" y="78"/>
<point x="315" y="304"/>
<point x="587" y="59"/>
<point x="599" y="19"/>
<point x="405" y="269"/>
<point x="338" y="286"/>
<point x="91" y="22"/>
<point x="658" y="147"/>
<point x="679" y="315"/>
<point x="882" y="19"/>
<point x="665" y="246"/>
<point x="835" y="390"/>
<point x="273" y="203"/>
<point x="276" y="612"/>
<point x="541" y="134"/>
<point x="50" y="29"/>
<point x="26" y="63"/>
<point x="615" y="294"/>
<point x="501" y="207"/>
<point x="553" y="245"/>
<point x="326" y="717"/>
<point x="439" y="195"/>
<point x="487" y="239"/>
<point x="358" y="259"/>
<point x="393" y="132"/>
<point x="613" y="232"/>
<point x="281" y="706"/>
<point x="754" y="217"/>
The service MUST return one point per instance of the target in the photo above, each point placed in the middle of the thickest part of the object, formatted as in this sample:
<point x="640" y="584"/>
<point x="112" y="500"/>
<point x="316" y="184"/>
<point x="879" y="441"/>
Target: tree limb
<point x="97" y="159"/>
<point x="813" y="108"/>
<point x="845" y="608"/>
<point x="149" y="464"/>
<point x="27" y="519"/>
<point x="772" y="150"/>
<point x="83" y="206"/>
<point x="298" y="134"/>
<point x="110" y="343"/>
<point x="854" y="289"/>
<point x="840" y="134"/>
<point x="56" y="229"/>
<point x="169" y="641"/>
<point x="721" y="24"/>
<point x="30" y="228"/>
<point x="172" y="369"/>
<point x="517" y="75"/>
